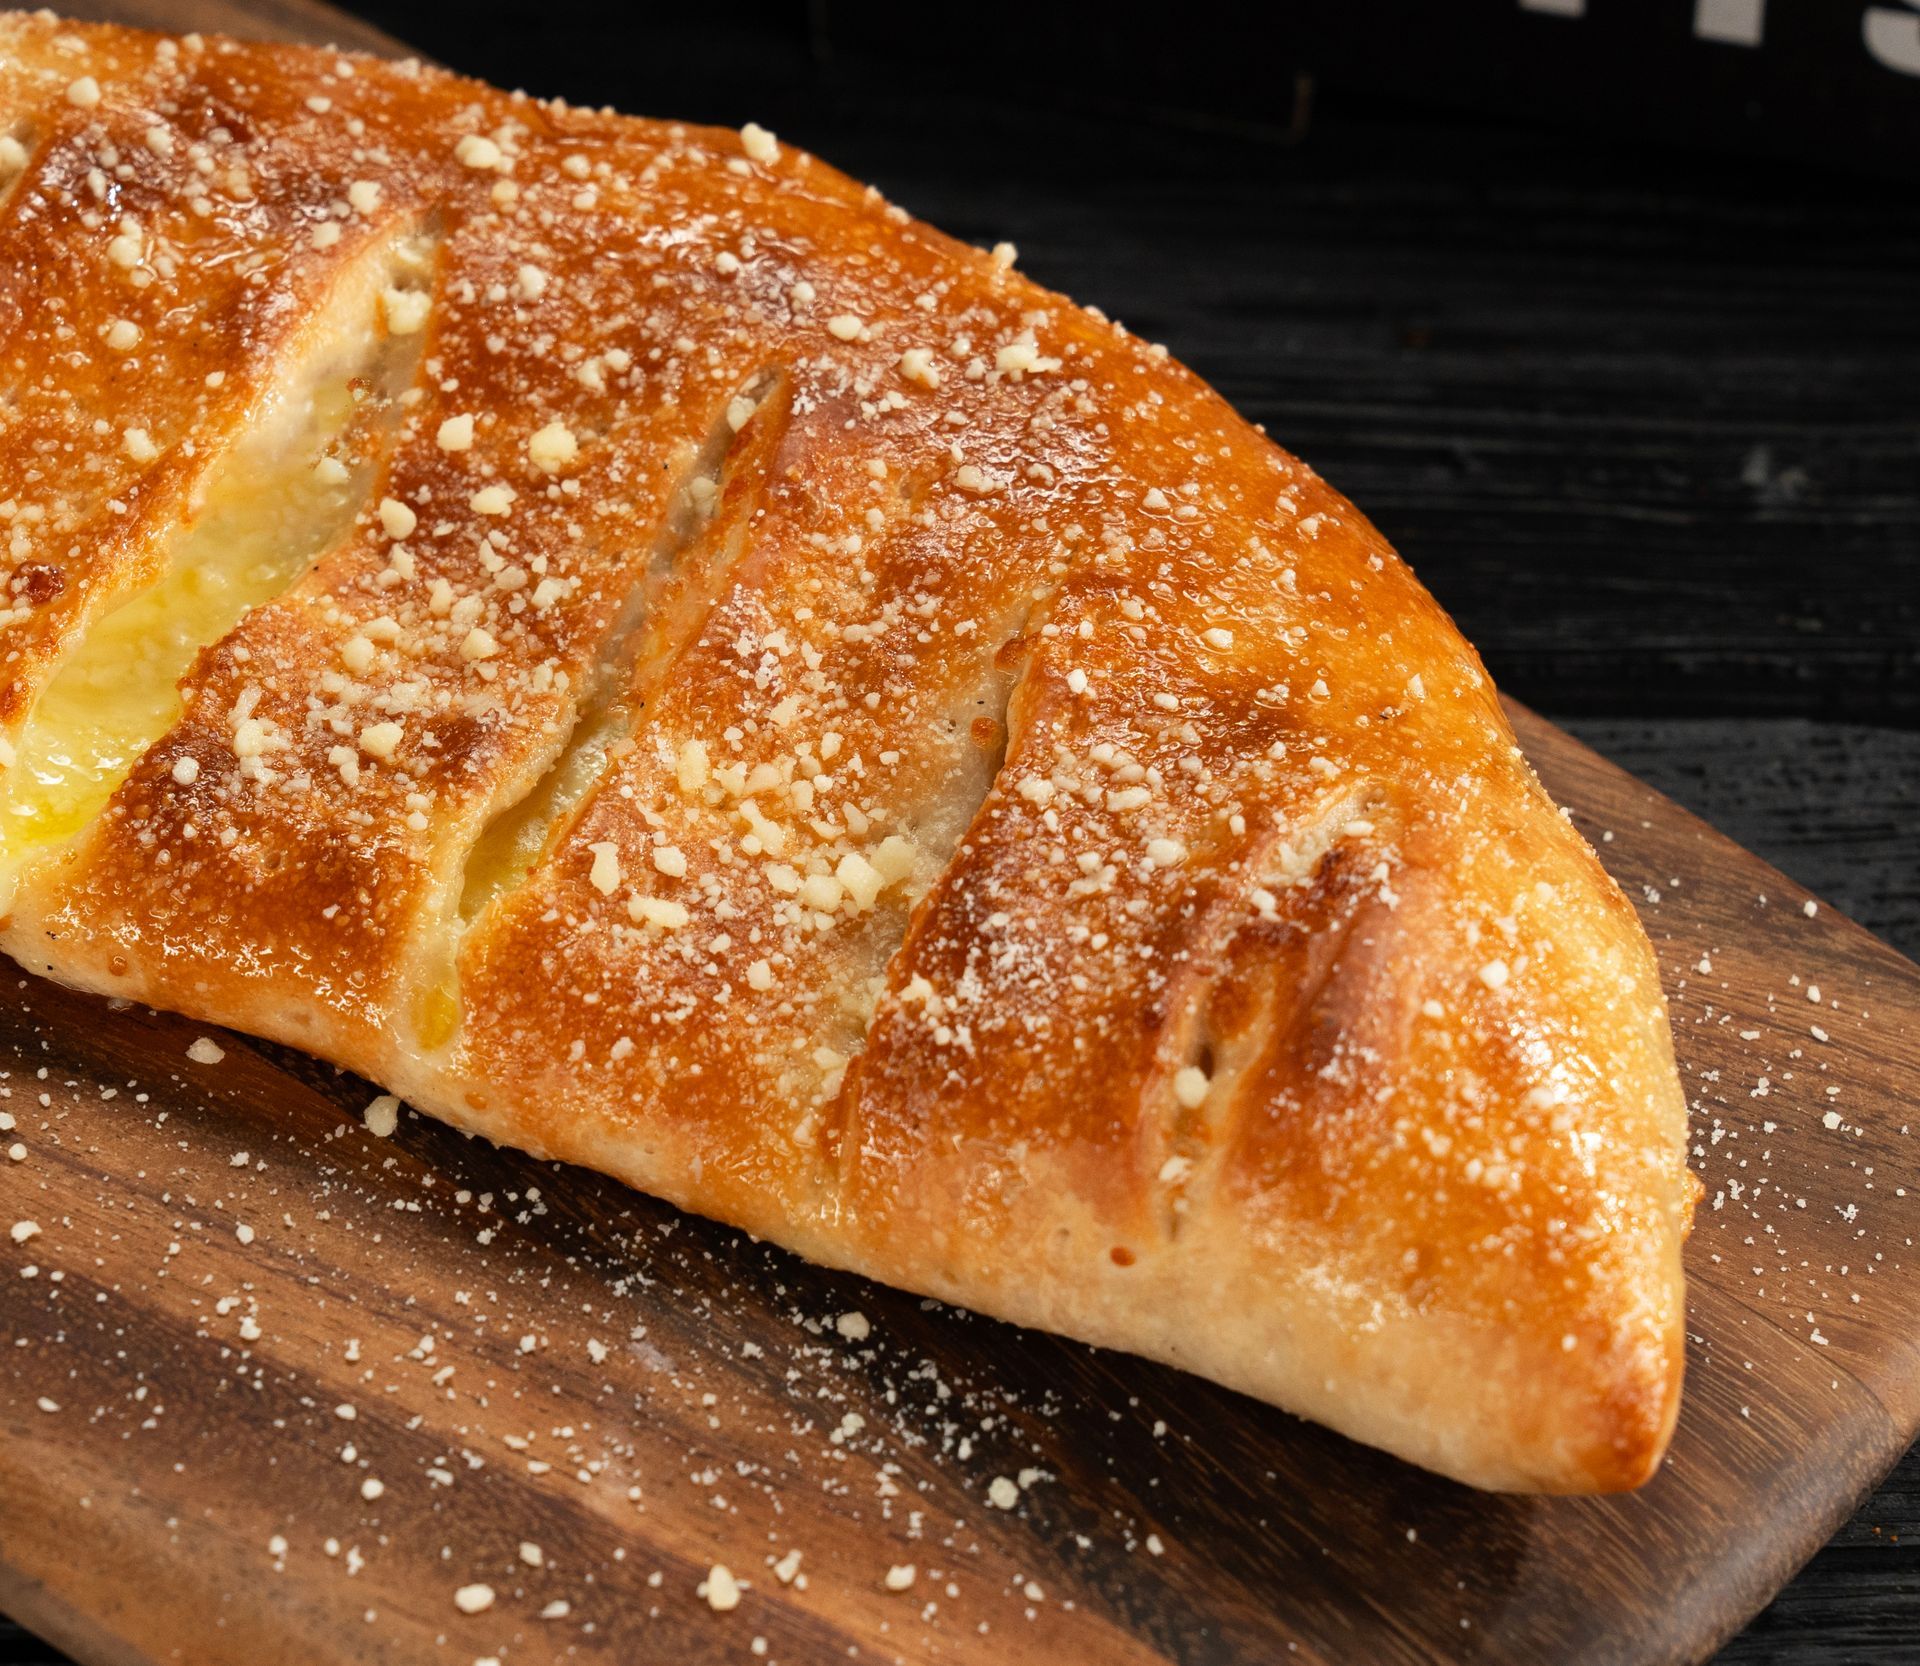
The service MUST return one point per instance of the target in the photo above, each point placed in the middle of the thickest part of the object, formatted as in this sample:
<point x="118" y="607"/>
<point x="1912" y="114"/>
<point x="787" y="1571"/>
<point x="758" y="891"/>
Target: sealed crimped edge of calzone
<point x="623" y="637"/>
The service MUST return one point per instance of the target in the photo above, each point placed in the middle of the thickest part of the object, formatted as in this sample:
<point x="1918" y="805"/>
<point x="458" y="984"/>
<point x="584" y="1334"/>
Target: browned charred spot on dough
<point x="462" y="739"/>
<point x="1121" y="1256"/>
<point x="39" y="582"/>
<point x="1013" y="652"/>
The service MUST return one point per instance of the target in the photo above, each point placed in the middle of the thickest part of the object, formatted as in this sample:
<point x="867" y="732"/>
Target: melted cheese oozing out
<point x="512" y="846"/>
<point x="259" y="528"/>
<point x="286" y="493"/>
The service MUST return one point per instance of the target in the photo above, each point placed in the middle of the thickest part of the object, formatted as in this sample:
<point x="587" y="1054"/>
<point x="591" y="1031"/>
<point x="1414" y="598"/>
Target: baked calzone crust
<point x="620" y="635"/>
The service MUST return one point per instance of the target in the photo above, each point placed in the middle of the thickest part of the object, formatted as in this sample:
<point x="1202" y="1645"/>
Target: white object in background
<point x="1893" y="36"/>
<point x="1736" y="22"/>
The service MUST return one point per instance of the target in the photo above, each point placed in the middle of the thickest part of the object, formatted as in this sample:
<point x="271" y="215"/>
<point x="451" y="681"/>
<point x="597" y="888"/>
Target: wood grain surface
<point x="1338" y="1572"/>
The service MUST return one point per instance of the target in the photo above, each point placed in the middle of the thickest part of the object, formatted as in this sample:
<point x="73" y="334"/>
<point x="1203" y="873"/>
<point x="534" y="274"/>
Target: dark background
<point x="1613" y="330"/>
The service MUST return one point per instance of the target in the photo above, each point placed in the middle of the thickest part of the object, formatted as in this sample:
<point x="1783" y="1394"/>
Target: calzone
<point x="618" y="634"/>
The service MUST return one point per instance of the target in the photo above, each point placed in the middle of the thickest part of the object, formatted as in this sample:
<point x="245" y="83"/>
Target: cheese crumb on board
<point x="721" y="1589"/>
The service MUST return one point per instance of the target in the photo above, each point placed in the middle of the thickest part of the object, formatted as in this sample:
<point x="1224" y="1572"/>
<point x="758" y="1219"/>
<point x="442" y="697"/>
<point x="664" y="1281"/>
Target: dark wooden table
<point x="1646" y="422"/>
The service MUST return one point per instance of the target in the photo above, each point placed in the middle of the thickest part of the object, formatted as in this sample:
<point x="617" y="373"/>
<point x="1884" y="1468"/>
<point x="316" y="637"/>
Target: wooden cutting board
<point x="273" y="1390"/>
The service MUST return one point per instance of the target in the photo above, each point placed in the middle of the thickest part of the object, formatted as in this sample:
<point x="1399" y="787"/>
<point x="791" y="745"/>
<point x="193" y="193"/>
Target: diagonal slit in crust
<point x="285" y="491"/>
<point x="512" y="842"/>
<point x="980" y="720"/>
<point x="1187" y="1117"/>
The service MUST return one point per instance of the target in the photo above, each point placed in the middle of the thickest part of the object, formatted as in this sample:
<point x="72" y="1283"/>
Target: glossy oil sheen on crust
<point x="1251" y="1007"/>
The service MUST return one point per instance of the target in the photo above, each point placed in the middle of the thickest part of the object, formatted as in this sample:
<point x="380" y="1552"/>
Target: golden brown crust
<point x="1048" y="852"/>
